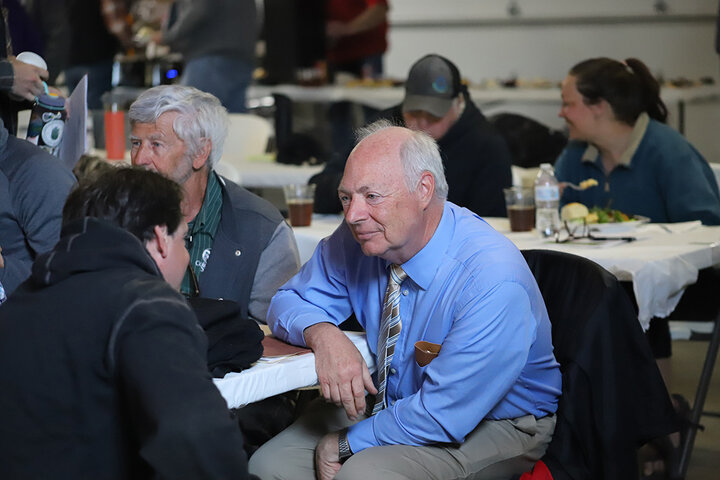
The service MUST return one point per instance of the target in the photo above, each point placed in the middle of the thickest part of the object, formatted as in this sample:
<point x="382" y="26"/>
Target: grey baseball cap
<point x="431" y="86"/>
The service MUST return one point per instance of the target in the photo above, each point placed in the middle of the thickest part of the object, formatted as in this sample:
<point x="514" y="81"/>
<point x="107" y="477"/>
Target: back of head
<point x="90" y="166"/>
<point x="131" y="198"/>
<point x="432" y="84"/>
<point x="628" y="87"/>
<point x="418" y="154"/>
<point x="201" y="116"/>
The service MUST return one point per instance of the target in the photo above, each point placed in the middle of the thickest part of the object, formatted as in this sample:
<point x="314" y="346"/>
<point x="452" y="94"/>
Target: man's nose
<point x="355" y="211"/>
<point x="139" y="156"/>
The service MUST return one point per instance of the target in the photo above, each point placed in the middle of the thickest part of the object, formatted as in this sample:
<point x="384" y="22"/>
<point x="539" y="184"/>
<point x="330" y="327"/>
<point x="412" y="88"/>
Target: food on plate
<point x="578" y="212"/>
<point x="590" y="182"/>
<point x="608" y="215"/>
<point x="574" y="211"/>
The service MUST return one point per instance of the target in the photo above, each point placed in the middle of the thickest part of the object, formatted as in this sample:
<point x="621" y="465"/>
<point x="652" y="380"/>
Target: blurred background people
<point x="217" y="40"/>
<point x="357" y="37"/>
<point x="356" y="33"/>
<point x="476" y="158"/>
<point x="98" y="30"/>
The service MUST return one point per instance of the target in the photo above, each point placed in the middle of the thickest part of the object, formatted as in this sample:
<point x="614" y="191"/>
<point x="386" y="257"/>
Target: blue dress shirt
<point x="470" y="290"/>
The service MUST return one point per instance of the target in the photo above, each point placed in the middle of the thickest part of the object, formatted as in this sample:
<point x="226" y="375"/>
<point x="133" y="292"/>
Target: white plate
<point x="618" y="227"/>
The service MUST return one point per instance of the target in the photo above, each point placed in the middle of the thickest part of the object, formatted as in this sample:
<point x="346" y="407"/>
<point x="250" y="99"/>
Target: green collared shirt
<point x="201" y="232"/>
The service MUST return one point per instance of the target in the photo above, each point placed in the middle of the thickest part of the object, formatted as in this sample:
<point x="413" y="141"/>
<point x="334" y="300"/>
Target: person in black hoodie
<point x="104" y="373"/>
<point x="476" y="158"/>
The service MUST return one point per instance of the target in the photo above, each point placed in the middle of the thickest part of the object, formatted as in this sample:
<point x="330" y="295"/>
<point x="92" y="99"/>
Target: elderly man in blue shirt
<point x="412" y="266"/>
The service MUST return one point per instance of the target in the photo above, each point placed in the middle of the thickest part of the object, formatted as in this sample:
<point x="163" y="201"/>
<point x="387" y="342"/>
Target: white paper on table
<point x="265" y="379"/>
<point x="74" y="135"/>
<point x="680" y="227"/>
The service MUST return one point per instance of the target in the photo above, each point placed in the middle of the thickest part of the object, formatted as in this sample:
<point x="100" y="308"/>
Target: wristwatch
<point x="344" y="451"/>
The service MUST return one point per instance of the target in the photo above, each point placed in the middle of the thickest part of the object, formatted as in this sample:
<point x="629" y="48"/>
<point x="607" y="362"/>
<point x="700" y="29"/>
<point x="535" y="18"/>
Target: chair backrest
<point x="530" y="142"/>
<point x="248" y="135"/>
<point x="613" y="397"/>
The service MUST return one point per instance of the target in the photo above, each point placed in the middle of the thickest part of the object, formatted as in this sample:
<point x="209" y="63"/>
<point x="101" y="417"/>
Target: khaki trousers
<point x="496" y="449"/>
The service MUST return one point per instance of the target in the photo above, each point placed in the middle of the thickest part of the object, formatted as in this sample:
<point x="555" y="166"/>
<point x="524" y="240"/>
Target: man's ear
<point x="426" y="188"/>
<point x="157" y="246"/>
<point x="201" y="158"/>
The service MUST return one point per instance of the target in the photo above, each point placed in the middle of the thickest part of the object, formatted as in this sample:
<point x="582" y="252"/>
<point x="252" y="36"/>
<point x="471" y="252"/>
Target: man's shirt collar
<point x="423" y="266"/>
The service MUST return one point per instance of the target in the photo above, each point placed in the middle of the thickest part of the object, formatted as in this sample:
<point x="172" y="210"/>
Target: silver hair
<point x="201" y="115"/>
<point x="418" y="154"/>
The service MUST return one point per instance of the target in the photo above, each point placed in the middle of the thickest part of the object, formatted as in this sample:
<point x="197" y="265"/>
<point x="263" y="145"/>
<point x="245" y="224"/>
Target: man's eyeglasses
<point x="570" y="231"/>
<point x="575" y="231"/>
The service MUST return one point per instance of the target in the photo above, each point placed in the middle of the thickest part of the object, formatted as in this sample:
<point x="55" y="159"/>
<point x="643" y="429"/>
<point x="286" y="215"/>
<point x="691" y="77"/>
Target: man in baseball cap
<point x="475" y="156"/>
<point x="432" y="85"/>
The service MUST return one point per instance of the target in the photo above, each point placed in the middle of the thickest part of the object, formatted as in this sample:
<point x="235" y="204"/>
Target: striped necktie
<point x="389" y="332"/>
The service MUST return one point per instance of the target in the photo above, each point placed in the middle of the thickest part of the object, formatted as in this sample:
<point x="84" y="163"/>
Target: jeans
<point x="226" y="78"/>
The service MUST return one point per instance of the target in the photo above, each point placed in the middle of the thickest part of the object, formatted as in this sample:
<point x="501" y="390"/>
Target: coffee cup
<point x="300" y="199"/>
<point x="520" y="203"/>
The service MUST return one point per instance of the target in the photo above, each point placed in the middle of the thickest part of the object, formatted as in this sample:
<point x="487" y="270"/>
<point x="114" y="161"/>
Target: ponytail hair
<point x="629" y="88"/>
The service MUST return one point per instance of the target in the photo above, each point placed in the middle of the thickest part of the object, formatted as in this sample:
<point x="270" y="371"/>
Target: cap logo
<point x="440" y="85"/>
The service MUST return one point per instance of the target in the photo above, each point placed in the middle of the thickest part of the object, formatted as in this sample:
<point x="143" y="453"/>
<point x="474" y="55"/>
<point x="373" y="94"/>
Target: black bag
<point x="530" y="142"/>
<point x="234" y="342"/>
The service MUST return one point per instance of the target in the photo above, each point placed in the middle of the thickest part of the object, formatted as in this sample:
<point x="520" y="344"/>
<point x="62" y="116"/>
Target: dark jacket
<point x="613" y="397"/>
<point x="33" y="188"/>
<point x="475" y="156"/>
<point x="104" y="372"/>
<point x="247" y="223"/>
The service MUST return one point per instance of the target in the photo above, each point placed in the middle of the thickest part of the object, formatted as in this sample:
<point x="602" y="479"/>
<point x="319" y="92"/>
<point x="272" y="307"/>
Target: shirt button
<point x="238" y="253"/>
<point x="405" y="292"/>
<point x="393" y="371"/>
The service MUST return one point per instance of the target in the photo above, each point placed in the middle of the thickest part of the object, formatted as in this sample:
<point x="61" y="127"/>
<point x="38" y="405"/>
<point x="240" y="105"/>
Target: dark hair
<point x="628" y="87"/>
<point x="129" y="197"/>
<point x="90" y="166"/>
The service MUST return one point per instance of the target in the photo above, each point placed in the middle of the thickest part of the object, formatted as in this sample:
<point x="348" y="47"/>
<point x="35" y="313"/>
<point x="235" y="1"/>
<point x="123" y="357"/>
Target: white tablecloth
<point x="270" y="377"/>
<point x="659" y="264"/>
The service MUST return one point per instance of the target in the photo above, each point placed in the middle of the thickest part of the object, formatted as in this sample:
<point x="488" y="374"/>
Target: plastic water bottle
<point x="547" y="201"/>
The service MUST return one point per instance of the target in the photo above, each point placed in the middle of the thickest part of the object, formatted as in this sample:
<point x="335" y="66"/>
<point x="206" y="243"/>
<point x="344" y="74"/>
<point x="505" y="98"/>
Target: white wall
<point x="548" y="37"/>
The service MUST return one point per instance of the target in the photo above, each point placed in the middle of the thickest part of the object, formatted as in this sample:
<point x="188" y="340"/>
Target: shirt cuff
<point x="362" y="435"/>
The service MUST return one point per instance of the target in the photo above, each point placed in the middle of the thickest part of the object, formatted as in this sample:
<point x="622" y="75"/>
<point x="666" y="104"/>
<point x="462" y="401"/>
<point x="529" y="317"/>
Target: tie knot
<point x="397" y="274"/>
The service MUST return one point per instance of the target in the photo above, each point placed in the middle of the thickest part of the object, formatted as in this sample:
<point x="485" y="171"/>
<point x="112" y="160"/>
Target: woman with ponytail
<point x="616" y="123"/>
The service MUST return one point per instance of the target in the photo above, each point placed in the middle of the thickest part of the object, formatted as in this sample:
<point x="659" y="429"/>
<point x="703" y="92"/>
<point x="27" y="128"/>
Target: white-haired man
<point x="412" y="266"/>
<point x="240" y="247"/>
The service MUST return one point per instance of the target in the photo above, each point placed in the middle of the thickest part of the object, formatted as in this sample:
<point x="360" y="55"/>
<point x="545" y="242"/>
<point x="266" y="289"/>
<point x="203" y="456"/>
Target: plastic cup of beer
<point x="115" y="133"/>
<point x="520" y="203"/>
<point x="299" y="199"/>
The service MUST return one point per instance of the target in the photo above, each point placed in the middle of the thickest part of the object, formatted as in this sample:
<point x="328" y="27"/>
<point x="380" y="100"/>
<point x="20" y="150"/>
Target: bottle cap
<point x="32" y="58"/>
<point x="52" y="101"/>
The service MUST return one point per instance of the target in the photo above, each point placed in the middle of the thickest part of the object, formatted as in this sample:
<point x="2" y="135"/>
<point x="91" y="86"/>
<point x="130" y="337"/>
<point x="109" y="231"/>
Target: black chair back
<point x="613" y="397"/>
